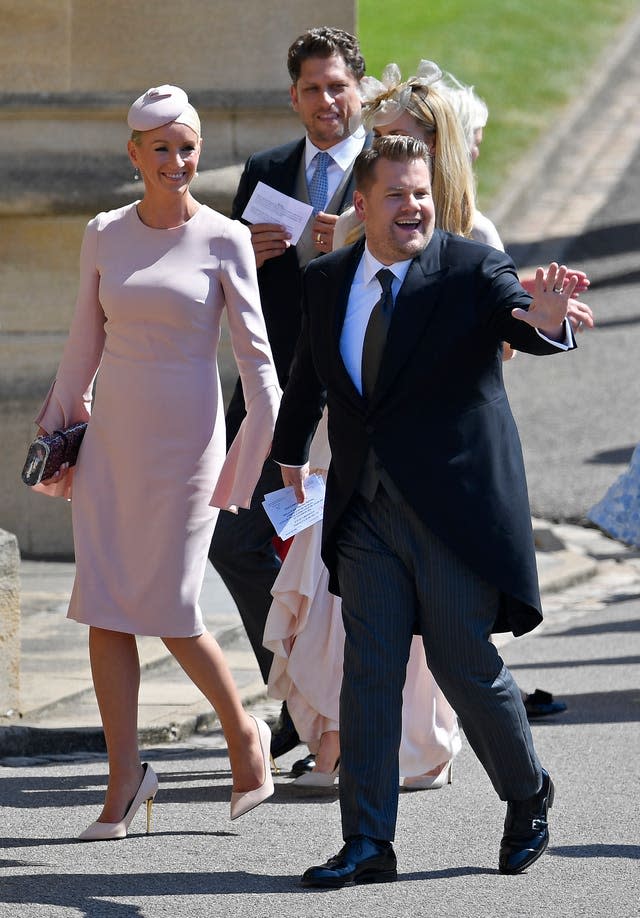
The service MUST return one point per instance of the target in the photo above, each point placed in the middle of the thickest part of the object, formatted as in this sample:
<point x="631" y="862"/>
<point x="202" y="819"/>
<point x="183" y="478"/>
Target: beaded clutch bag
<point x="48" y="452"/>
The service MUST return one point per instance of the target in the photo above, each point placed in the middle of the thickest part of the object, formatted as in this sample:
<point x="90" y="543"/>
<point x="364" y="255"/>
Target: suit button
<point x="369" y="428"/>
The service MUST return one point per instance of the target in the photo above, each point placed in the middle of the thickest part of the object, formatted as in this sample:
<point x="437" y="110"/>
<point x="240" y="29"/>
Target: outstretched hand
<point x="552" y="291"/>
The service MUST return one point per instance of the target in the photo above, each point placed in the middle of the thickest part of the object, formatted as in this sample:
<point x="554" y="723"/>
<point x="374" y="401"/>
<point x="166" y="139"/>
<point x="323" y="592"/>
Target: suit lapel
<point x="283" y="170"/>
<point x="341" y="283"/>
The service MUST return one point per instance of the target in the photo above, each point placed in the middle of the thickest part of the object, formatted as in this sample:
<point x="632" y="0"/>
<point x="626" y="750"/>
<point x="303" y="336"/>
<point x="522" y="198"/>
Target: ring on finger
<point x="319" y="238"/>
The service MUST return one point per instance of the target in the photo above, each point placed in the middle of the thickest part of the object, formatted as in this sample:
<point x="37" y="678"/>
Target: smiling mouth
<point x="175" y="175"/>
<point x="408" y="224"/>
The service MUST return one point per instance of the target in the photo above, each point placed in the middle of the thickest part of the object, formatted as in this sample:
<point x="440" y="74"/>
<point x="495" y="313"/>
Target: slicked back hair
<point x="324" y="42"/>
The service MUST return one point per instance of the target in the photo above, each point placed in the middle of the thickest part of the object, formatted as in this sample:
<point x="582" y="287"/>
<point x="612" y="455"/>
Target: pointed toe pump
<point x="103" y="831"/>
<point x="241" y="803"/>
<point x="315" y="779"/>
<point x="430" y="782"/>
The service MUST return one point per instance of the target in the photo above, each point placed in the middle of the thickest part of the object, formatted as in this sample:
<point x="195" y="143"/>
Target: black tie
<point x="375" y="336"/>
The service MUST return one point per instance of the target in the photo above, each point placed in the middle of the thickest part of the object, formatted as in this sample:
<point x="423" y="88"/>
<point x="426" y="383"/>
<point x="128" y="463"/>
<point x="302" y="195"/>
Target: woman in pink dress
<point x="305" y="633"/>
<point x="155" y="279"/>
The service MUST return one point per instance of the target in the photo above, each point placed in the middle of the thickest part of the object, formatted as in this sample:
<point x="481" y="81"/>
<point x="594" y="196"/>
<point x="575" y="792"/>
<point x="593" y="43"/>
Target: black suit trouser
<point x="394" y="575"/>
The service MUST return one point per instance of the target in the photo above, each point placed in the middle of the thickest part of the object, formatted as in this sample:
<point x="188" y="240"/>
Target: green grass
<point x="526" y="59"/>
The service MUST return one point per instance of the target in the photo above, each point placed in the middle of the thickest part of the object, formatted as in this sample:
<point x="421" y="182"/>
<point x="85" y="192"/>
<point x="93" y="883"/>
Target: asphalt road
<point x="197" y="863"/>
<point x="579" y="413"/>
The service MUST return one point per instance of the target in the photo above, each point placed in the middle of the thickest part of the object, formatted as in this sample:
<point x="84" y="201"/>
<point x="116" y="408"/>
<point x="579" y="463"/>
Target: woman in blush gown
<point x="304" y="631"/>
<point x="156" y="277"/>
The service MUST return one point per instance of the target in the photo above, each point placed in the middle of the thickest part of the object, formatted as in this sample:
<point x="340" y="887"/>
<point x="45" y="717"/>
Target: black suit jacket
<point x="439" y="419"/>
<point x="279" y="279"/>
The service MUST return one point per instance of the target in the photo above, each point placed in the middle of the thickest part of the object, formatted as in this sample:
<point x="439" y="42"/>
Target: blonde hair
<point x="471" y="110"/>
<point x="452" y="183"/>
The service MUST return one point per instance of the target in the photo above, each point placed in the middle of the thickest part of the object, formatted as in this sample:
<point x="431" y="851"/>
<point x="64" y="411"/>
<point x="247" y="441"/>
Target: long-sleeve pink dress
<point x="305" y="633"/>
<point x="152" y="468"/>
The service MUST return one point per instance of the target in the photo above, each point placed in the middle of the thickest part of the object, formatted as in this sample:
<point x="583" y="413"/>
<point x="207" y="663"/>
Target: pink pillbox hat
<point x="161" y="105"/>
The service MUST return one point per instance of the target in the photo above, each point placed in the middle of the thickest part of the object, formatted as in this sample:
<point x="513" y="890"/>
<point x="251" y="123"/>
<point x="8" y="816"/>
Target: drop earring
<point x="136" y="176"/>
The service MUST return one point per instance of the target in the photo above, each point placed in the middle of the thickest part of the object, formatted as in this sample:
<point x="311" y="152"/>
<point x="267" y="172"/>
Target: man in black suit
<point x="325" y="66"/>
<point x="427" y="524"/>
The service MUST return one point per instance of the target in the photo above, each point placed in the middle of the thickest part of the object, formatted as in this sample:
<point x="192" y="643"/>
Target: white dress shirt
<point x="366" y="290"/>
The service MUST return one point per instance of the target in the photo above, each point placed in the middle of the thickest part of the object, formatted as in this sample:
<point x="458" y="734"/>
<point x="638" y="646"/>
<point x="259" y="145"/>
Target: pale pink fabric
<point x="305" y="633"/>
<point x="152" y="464"/>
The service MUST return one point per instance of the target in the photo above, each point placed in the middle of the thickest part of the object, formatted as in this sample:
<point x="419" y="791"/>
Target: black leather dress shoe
<point x="361" y="860"/>
<point x="526" y="833"/>
<point x="542" y="704"/>
<point x="284" y="736"/>
<point x="303" y="766"/>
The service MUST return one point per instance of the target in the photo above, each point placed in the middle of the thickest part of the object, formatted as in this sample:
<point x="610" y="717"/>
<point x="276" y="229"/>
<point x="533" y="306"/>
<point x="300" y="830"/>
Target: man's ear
<point x="293" y="93"/>
<point x="359" y="204"/>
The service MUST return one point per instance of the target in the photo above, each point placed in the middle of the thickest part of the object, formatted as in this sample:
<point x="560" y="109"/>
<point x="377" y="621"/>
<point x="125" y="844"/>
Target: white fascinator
<point x="383" y="101"/>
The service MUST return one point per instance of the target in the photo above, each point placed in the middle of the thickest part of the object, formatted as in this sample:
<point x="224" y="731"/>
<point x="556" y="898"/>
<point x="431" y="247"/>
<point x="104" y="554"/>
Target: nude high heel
<point x="430" y="782"/>
<point x="241" y="803"/>
<point x="318" y="778"/>
<point x="102" y="831"/>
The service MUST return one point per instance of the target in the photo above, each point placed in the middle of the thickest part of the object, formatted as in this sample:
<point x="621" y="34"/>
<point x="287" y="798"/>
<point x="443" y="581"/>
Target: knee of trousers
<point x="463" y="682"/>
<point x="242" y="544"/>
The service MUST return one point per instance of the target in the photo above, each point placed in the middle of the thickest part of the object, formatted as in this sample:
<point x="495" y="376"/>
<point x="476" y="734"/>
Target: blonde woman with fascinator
<point x="156" y="277"/>
<point x="416" y="108"/>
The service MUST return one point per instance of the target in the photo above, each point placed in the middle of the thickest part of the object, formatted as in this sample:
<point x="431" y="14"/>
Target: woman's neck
<point x="167" y="212"/>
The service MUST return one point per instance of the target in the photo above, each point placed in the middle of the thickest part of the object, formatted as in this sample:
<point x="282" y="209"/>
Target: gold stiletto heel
<point x="149" y="814"/>
<point x="103" y="831"/>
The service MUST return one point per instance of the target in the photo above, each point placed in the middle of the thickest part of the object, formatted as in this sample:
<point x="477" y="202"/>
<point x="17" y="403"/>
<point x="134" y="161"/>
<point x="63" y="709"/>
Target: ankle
<point x="328" y="754"/>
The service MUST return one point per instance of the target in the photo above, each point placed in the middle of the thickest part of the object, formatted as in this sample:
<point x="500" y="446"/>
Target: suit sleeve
<point x="302" y="403"/>
<point x="501" y="293"/>
<point x="244" y="191"/>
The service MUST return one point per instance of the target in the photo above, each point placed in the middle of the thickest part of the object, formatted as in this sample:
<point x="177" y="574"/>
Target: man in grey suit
<point x="325" y="66"/>
<point x="427" y="525"/>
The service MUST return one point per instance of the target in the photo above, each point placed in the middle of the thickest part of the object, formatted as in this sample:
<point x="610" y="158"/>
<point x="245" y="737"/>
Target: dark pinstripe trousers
<point x="395" y="576"/>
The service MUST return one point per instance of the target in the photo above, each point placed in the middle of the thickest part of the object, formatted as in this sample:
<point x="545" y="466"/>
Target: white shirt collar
<point x="371" y="266"/>
<point x="342" y="153"/>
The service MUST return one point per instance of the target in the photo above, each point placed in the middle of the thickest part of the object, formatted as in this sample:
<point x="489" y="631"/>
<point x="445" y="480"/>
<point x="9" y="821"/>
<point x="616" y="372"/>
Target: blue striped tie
<point x="319" y="184"/>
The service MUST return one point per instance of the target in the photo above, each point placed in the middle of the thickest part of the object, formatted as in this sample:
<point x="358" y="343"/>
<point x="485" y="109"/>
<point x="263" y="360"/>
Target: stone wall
<point x="69" y="70"/>
<point x="9" y="625"/>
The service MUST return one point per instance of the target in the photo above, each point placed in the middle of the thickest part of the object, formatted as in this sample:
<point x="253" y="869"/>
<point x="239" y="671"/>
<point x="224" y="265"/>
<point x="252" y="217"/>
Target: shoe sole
<point x="386" y="876"/>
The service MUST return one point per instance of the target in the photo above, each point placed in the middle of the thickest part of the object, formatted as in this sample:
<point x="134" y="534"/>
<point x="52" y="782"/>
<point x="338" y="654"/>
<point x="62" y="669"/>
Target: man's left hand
<point x="551" y="294"/>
